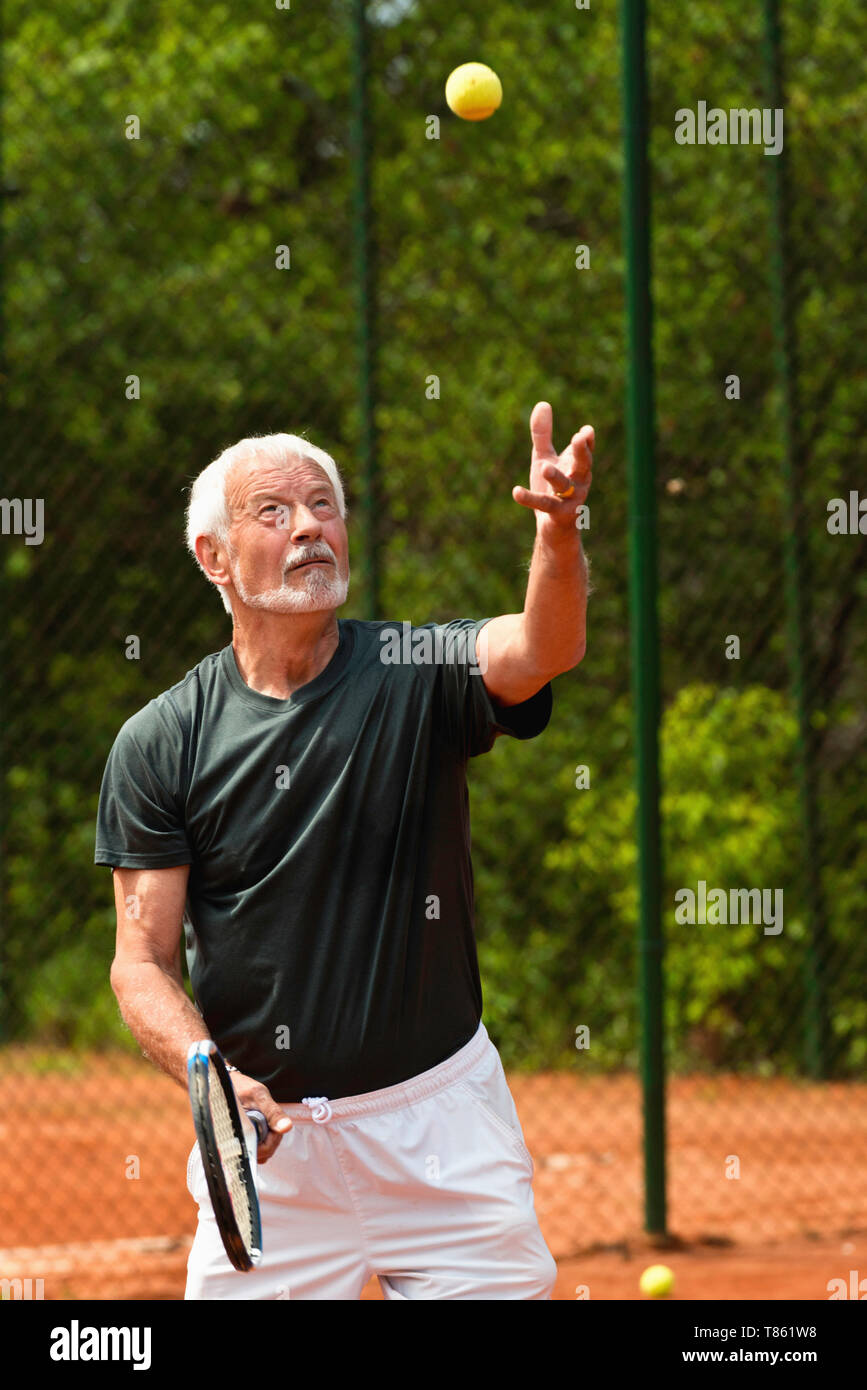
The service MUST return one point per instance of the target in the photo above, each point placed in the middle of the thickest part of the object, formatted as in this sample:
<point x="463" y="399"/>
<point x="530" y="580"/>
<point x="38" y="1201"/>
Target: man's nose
<point x="305" y="523"/>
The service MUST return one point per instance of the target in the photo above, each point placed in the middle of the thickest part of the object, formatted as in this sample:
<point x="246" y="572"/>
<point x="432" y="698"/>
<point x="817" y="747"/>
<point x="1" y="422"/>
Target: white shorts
<point x="427" y="1185"/>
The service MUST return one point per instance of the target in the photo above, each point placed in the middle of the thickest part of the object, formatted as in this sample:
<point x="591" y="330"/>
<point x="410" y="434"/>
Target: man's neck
<point x="277" y="653"/>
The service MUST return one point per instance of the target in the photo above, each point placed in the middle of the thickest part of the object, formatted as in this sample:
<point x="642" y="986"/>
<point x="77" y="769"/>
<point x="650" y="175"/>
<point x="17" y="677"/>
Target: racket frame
<point x="205" y="1069"/>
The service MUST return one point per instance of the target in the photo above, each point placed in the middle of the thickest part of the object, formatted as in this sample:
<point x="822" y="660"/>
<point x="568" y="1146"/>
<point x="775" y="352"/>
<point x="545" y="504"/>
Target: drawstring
<point x="321" y="1110"/>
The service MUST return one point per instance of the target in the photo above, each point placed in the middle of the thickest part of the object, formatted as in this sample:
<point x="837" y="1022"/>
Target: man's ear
<point x="211" y="557"/>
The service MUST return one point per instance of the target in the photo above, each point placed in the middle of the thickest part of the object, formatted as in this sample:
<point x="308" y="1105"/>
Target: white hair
<point x="208" y="510"/>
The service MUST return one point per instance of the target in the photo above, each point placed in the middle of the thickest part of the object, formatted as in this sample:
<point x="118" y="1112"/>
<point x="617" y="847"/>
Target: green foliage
<point x="730" y="818"/>
<point x="67" y="1002"/>
<point x="728" y="815"/>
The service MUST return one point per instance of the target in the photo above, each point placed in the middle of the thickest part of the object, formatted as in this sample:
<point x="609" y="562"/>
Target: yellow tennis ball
<point x="474" y="91"/>
<point x="657" y="1281"/>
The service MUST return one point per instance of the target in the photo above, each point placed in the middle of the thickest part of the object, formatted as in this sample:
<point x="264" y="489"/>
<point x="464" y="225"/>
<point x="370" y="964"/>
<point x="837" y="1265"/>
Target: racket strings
<point x="231" y="1152"/>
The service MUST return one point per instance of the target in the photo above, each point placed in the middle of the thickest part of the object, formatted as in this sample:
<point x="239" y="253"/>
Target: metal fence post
<point x="795" y="542"/>
<point x="643" y="601"/>
<point x="365" y="277"/>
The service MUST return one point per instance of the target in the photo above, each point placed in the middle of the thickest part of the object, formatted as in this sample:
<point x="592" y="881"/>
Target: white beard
<point x="318" y="591"/>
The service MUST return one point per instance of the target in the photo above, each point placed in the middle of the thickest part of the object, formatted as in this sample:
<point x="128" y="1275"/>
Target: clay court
<point x="767" y="1189"/>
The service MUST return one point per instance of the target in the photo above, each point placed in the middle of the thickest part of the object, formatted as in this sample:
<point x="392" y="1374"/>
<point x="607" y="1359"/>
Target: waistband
<point x="319" y="1109"/>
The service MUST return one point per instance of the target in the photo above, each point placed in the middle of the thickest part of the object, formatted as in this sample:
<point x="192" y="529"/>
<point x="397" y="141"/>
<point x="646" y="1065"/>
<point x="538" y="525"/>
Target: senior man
<point x="297" y="808"/>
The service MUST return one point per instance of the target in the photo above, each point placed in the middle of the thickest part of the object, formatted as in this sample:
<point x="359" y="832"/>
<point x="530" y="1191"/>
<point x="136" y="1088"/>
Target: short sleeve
<point x="140" y="820"/>
<point x="472" y="718"/>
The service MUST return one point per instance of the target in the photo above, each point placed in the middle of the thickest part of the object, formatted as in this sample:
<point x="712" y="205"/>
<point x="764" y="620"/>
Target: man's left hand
<point x="551" y="473"/>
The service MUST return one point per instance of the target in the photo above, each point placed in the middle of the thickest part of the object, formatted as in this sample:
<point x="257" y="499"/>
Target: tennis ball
<point x="657" y="1281"/>
<point x="474" y="91"/>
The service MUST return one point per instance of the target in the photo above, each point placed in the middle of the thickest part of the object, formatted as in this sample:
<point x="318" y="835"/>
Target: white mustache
<point x="306" y="559"/>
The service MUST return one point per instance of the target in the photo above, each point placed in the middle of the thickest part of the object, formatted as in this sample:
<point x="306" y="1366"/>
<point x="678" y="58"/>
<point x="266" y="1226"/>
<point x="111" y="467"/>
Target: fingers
<point x="539" y="501"/>
<point x="252" y="1095"/>
<point x="578" y="458"/>
<point x="541" y="425"/>
<point x="586" y="435"/>
<point x="278" y="1125"/>
<point x="575" y="465"/>
<point x="570" y="475"/>
<point x="560" y="481"/>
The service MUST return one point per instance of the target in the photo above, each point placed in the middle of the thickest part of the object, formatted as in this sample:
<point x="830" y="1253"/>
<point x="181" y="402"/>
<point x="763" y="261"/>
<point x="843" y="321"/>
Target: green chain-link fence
<point x="155" y="161"/>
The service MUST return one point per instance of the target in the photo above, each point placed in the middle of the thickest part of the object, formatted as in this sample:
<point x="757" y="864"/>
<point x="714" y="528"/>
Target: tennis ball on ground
<point x="657" y="1281"/>
<point x="474" y="91"/>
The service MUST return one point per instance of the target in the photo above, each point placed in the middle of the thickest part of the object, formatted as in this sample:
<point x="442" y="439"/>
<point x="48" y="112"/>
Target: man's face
<point x="288" y="547"/>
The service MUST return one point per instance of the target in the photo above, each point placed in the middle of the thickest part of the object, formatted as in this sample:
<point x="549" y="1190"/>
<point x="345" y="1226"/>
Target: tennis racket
<point x="228" y="1168"/>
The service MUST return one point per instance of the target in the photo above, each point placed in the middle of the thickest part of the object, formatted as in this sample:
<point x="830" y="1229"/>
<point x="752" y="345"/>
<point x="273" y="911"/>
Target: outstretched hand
<point x="569" y="474"/>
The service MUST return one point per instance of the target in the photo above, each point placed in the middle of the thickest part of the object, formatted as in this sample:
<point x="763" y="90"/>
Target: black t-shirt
<point x="329" y="915"/>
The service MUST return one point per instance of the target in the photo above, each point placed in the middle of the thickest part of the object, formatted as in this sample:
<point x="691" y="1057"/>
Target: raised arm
<point x="521" y="652"/>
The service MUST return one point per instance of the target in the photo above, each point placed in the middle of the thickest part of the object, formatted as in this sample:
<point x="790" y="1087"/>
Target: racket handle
<point x="259" y="1123"/>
